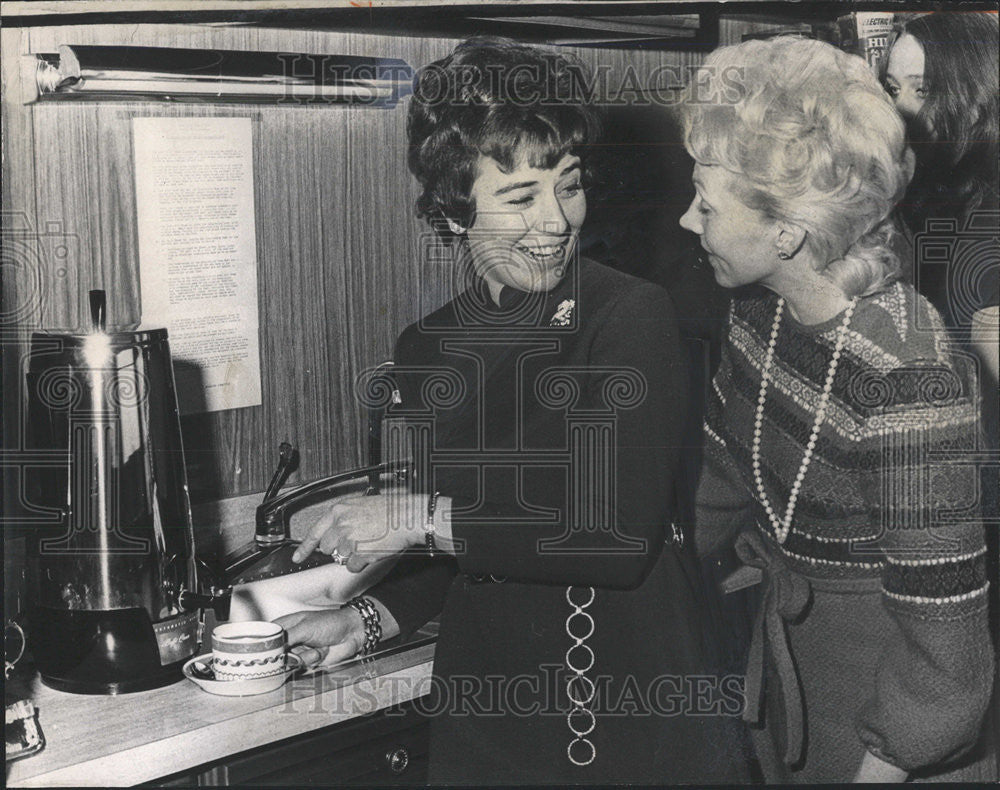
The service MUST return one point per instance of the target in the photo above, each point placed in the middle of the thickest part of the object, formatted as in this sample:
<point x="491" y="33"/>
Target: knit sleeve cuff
<point x="933" y="685"/>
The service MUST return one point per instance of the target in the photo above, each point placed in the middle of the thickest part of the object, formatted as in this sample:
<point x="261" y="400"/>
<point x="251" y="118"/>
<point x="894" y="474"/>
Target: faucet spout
<point x="272" y="536"/>
<point x="288" y="462"/>
<point x="273" y="516"/>
<point x="272" y="528"/>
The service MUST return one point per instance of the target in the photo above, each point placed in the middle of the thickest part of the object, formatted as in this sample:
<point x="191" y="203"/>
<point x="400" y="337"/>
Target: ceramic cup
<point x="244" y="651"/>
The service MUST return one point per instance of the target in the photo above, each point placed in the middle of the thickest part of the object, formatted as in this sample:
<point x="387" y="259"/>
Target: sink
<point x="258" y="580"/>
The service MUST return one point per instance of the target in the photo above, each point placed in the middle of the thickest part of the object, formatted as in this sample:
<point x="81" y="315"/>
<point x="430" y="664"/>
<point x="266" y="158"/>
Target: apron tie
<point x="786" y="596"/>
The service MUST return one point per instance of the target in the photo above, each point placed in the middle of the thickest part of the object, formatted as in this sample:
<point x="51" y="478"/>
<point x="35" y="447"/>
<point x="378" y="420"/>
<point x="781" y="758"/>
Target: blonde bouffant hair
<point x="816" y="142"/>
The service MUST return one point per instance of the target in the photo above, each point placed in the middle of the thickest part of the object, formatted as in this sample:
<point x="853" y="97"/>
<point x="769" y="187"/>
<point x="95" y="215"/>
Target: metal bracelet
<point x="429" y="528"/>
<point x="372" y="620"/>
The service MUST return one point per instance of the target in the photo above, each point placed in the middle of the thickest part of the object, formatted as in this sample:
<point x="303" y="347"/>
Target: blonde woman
<point x="837" y="430"/>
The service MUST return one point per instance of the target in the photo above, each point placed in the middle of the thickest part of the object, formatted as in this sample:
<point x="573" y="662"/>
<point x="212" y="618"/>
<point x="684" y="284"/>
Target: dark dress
<point x="556" y="422"/>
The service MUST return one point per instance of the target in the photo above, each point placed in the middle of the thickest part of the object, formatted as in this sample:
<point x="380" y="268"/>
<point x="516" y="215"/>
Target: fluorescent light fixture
<point x="173" y="74"/>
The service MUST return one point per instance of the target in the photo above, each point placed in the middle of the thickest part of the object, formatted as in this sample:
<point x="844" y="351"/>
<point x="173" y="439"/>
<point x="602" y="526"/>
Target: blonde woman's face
<point x="904" y="77"/>
<point x="739" y="240"/>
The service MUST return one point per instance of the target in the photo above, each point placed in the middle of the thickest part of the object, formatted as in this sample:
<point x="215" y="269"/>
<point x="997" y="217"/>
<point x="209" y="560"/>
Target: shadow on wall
<point x="642" y="187"/>
<point x="201" y="456"/>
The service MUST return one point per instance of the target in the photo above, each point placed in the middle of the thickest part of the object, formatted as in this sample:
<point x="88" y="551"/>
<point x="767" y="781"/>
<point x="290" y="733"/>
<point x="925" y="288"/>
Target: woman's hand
<point x="364" y="529"/>
<point x="324" y="637"/>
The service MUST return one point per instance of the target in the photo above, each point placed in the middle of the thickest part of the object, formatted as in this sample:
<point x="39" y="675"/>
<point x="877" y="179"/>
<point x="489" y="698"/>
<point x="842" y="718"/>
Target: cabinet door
<point x="384" y="748"/>
<point x="385" y="756"/>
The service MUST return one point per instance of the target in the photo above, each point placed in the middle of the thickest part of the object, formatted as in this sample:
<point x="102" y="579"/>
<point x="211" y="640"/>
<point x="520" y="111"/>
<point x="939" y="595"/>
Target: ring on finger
<point x="339" y="558"/>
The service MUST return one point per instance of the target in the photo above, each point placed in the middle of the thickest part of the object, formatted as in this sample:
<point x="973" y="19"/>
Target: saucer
<point x="241" y="688"/>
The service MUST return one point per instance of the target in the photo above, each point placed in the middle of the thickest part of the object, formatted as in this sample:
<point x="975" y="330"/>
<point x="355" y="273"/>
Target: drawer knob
<point x="397" y="759"/>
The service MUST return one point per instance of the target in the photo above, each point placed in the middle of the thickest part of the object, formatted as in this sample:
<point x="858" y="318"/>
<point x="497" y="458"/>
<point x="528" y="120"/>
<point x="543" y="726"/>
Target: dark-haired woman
<point x="942" y="75"/>
<point x="573" y="644"/>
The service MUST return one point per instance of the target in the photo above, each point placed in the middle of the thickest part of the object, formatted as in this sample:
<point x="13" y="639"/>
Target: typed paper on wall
<point x="198" y="254"/>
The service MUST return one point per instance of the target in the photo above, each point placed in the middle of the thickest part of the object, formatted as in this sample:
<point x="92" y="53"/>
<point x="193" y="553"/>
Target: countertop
<point x="134" y="738"/>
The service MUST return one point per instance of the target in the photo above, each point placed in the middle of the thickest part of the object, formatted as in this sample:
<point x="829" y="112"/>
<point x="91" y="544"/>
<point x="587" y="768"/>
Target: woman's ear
<point x="790" y="239"/>
<point x="455" y="228"/>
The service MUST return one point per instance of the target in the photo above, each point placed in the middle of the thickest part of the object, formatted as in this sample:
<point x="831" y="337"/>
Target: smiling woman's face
<point x="527" y="223"/>
<point x="904" y="75"/>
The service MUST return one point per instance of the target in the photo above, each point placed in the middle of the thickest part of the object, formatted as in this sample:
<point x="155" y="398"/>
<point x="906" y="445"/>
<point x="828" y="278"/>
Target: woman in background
<point x="870" y="658"/>
<point x="573" y="643"/>
<point x="942" y="75"/>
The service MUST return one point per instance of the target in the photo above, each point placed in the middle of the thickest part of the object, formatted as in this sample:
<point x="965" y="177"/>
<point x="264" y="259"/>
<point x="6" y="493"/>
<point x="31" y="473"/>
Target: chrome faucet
<point x="269" y="553"/>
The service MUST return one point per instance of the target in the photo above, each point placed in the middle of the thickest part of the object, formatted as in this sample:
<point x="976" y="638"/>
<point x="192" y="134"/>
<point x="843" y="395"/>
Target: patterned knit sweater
<point x="891" y="492"/>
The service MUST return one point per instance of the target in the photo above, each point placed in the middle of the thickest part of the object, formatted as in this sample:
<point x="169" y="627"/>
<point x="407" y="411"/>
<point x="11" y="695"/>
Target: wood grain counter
<point x="134" y="738"/>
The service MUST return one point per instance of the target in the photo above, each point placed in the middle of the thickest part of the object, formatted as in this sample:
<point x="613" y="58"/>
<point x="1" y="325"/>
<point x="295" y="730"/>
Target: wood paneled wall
<point x="339" y="250"/>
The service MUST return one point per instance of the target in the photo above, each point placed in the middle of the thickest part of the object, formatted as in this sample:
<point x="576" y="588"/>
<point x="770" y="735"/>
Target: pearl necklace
<point x="782" y="527"/>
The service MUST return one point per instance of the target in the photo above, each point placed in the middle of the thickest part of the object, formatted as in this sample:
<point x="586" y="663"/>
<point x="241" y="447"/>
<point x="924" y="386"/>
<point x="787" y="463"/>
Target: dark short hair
<point x="492" y="97"/>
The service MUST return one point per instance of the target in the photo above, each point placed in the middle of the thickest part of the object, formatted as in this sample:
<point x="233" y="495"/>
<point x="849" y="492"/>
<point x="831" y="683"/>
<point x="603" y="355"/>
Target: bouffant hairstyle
<point x="955" y="132"/>
<point x="497" y="98"/>
<point x="814" y="140"/>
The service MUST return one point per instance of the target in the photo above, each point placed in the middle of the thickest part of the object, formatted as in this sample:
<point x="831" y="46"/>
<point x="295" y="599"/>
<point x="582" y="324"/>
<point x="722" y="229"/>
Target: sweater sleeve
<point x="605" y="515"/>
<point x="934" y="680"/>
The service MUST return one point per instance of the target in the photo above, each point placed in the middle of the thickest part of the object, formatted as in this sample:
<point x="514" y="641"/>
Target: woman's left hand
<point x="364" y="529"/>
<point x="324" y="637"/>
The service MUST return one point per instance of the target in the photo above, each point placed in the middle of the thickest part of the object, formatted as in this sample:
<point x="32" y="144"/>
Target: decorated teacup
<point x="254" y="649"/>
